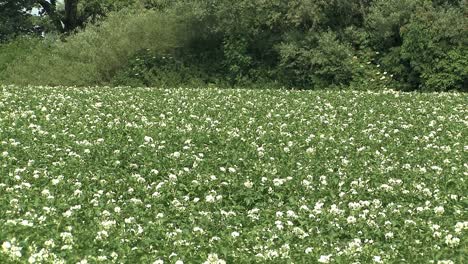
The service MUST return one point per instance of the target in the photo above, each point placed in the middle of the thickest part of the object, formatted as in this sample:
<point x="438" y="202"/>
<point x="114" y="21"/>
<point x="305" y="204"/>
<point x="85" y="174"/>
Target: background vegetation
<point x="307" y="44"/>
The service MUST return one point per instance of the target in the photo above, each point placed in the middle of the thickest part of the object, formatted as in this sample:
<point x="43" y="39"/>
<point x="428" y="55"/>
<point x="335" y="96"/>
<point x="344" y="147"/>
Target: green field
<point x="120" y="175"/>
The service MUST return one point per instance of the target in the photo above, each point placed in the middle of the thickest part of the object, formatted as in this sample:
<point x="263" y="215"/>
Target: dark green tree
<point x="15" y="18"/>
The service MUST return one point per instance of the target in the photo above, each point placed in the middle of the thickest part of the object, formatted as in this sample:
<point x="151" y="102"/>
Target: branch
<point x="51" y="10"/>
<point x="49" y="7"/>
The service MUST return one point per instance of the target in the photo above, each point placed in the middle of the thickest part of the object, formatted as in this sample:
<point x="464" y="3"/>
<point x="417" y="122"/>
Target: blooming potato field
<point x="120" y="175"/>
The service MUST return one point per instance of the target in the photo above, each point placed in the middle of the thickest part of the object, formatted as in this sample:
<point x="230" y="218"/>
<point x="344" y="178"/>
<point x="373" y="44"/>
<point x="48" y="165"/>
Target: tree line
<point x="306" y="44"/>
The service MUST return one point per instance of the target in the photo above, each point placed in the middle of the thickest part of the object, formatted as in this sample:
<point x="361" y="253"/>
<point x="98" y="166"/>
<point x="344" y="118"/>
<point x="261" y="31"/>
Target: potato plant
<point x="144" y="175"/>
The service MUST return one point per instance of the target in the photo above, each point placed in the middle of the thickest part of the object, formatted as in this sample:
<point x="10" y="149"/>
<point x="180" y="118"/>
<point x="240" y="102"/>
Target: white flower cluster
<point x="120" y="175"/>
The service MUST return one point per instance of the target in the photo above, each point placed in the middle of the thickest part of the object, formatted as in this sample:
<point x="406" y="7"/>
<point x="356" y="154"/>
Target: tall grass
<point x="92" y="57"/>
<point x="17" y="49"/>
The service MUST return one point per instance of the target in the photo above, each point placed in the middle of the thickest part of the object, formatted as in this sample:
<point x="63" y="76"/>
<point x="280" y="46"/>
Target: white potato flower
<point x="324" y="259"/>
<point x="248" y="184"/>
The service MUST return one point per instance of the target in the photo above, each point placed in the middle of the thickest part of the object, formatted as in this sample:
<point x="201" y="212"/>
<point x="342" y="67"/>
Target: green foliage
<point x="420" y="44"/>
<point x="94" y="10"/>
<point x="324" y="14"/>
<point x="249" y="32"/>
<point x="148" y="69"/>
<point x="435" y="44"/>
<point x="368" y="74"/>
<point x="138" y="175"/>
<point x="423" y="43"/>
<point x="384" y="20"/>
<point x="93" y="56"/>
<point x="15" y="19"/>
<point x="319" y="60"/>
<point x="238" y="61"/>
<point x="18" y="49"/>
<point x="450" y="72"/>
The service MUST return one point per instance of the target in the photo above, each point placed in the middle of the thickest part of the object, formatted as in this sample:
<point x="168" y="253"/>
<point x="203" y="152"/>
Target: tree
<point x="73" y="14"/>
<point x="65" y="21"/>
<point x="435" y="44"/>
<point x="64" y="15"/>
<point x="15" y="18"/>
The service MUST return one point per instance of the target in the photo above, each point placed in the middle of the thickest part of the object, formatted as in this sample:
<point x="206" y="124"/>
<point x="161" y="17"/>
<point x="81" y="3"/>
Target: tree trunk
<point x="66" y="23"/>
<point x="70" y="19"/>
<point x="50" y="9"/>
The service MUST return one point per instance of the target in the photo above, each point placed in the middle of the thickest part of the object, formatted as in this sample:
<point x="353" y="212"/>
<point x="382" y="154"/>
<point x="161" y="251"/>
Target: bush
<point x="423" y="43"/>
<point x="368" y="74"/>
<point x="384" y="20"/>
<point x="435" y="44"/>
<point x="93" y="56"/>
<point x="154" y="70"/>
<point x="17" y="49"/>
<point x="405" y="44"/>
<point x="317" y="61"/>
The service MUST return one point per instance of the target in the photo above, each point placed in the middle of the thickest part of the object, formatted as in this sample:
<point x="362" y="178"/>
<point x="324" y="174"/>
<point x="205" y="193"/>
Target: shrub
<point x="19" y="49"/>
<point x="154" y="70"/>
<point x="94" y="55"/>
<point x="421" y="44"/>
<point x="384" y="20"/>
<point x="368" y="74"/>
<point x="317" y="61"/>
<point x="435" y="44"/>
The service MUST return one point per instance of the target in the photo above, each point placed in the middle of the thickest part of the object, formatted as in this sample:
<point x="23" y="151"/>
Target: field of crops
<point x="120" y="175"/>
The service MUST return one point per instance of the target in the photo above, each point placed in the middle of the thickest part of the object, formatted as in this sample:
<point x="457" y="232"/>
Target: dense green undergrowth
<point x="399" y="44"/>
<point x="136" y="175"/>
